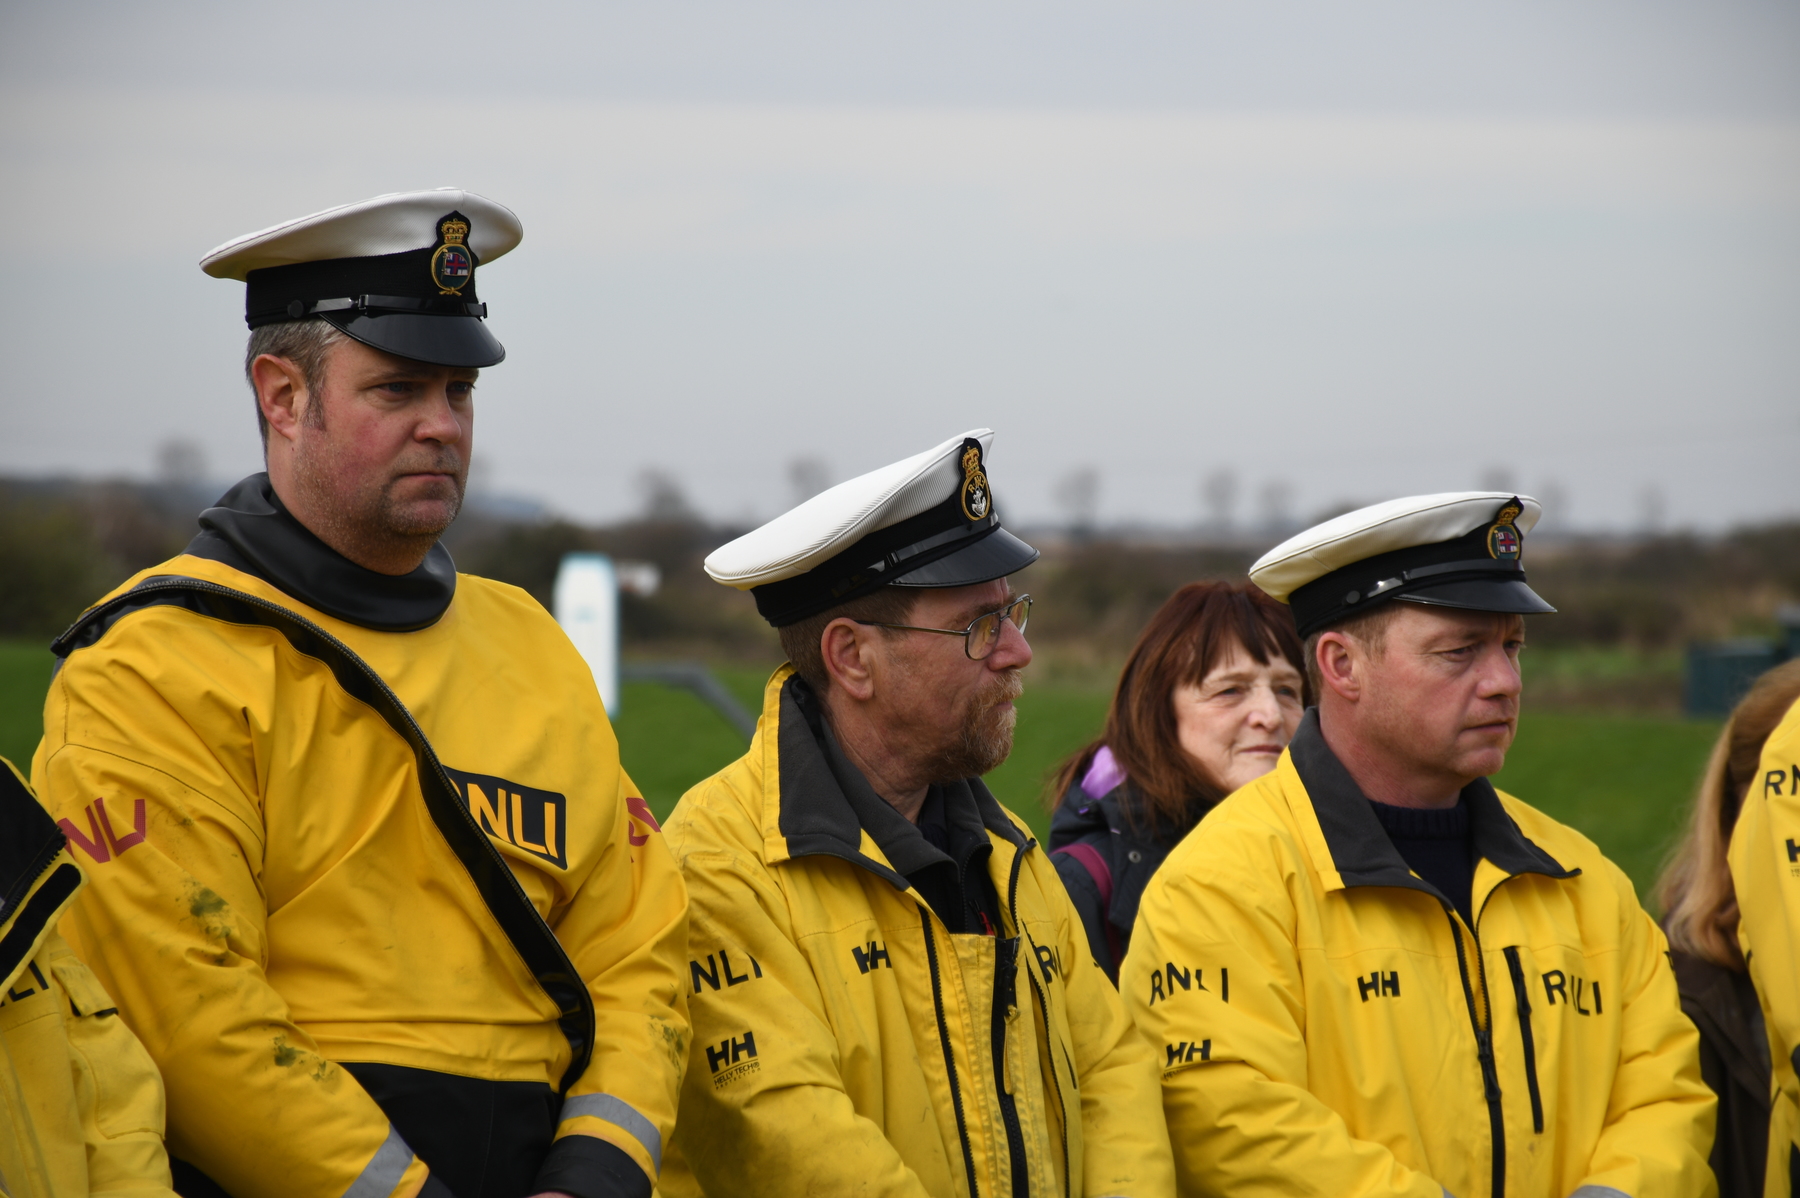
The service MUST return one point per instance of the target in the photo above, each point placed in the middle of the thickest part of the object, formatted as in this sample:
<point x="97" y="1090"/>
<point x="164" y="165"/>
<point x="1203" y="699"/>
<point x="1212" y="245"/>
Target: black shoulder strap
<point x="531" y="937"/>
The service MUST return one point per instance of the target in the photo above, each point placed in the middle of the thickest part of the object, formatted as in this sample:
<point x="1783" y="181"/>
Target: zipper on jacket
<point x="1062" y="1107"/>
<point x="1515" y="967"/>
<point x="1006" y="1001"/>
<point x="937" y="1002"/>
<point x="1006" y="987"/>
<point x="1484" y="1048"/>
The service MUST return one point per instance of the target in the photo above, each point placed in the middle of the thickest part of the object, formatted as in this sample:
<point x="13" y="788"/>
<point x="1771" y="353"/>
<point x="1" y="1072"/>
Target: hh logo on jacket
<point x="736" y="1056"/>
<point x="522" y="816"/>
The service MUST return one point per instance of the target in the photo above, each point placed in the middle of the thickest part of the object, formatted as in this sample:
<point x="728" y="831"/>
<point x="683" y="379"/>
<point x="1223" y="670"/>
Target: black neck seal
<point x="251" y="530"/>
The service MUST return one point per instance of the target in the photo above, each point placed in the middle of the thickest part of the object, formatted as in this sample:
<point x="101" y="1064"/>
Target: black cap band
<point x="1480" y="571"/>
<point x="884" y="556"/>
<point x="418" y="304"/>
<point x="384" y="282"/>
<point x="958" y="542"/>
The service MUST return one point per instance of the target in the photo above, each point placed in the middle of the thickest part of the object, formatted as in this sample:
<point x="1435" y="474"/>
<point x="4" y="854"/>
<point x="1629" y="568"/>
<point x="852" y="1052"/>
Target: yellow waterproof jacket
<point x="1765" y="868"/>
<point x="846" y="1042"/>
<point x="81" y="1105"/>
<point x="271" y="899"/>
<point x="1329" y="1025"/>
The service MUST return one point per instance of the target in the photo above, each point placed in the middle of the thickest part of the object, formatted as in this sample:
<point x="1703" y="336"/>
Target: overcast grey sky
<point x="1349" y="250"/>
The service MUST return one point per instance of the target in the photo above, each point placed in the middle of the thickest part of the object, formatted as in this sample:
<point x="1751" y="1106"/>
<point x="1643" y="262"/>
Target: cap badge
<point x="1504" y="540"/>
<point x="976" y="499"/>
<point x="453" y="265"/>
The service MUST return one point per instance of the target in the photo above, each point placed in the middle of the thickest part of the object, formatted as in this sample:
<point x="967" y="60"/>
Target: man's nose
<point x="438" y="422"/>
<point x="1013" y="652"/>
<point x="1500" y="674"/>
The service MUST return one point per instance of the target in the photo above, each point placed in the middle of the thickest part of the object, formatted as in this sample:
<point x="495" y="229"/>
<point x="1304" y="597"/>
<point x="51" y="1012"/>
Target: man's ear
<point x="1340" y="661"/>
<point x="847" y="648"/>
<point x="280" y="393"/>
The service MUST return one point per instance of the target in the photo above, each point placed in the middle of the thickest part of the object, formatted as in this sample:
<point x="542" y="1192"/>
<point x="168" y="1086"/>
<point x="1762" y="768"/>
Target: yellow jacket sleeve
<point x="1658" y="1132"/>
<point x="1239" y="1114"/>
<point x="627" y="936"/>
<point x="791" y="1114"/>
<point x="1124" y="1136"/>
<point x="1765" y="867"/>
<point x="194" y="987"/>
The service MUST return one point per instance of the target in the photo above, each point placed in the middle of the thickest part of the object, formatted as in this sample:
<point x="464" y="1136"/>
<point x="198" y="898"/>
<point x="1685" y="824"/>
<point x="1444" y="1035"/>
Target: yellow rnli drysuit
<point x="290" y="933"/>
<point x="847" y="1042"/>
<point x="1765" y="868"/>
<point x="81" y="1105"/>
<point x="1328" y="1025"/>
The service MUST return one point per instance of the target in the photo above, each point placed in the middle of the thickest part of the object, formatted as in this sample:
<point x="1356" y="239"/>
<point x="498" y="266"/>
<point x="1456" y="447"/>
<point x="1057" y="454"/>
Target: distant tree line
<point x="64" y="544"/>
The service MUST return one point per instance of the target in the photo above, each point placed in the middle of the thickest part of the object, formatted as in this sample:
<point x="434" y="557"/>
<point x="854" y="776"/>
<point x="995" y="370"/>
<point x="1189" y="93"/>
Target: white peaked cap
<point x="1456" y="549"/>
<point x="833" y="520"/>
<point x="386" y="224"/>
<point x="928" y="521"/>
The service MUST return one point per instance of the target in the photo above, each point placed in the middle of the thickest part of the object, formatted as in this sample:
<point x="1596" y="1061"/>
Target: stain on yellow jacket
<point x="270" y="896"/>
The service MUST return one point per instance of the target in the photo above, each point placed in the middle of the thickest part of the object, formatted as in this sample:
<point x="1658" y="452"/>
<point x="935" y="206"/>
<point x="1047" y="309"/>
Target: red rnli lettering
<point x="102" y="843"/>
<point x="640" y="810"/>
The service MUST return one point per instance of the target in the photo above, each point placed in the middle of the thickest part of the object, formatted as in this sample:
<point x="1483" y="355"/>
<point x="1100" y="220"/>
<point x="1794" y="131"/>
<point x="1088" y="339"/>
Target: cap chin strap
<point x="298" y="309"/>
<point x="1474" y="566"/>
<point x="907" y="553"/>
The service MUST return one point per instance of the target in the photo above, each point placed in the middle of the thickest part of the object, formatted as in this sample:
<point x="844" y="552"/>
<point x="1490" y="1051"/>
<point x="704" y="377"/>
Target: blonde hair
<point x="1695" y="889"/>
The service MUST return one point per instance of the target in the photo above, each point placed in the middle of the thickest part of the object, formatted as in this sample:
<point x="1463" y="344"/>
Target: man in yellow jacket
<point x="1765" y="868"/>
<point x="81" y="1105"/>
<point x="368" y="880"/>
<point x="1371" y="974"/>
<point x="892" y="995"/>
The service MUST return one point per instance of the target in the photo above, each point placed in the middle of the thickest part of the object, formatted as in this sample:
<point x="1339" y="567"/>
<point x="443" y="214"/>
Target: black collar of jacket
<point x="251" y="530"/>
<point x="1360" y="849"/>
<point x="1119" y="812"/>
<point x="817" y="817"/>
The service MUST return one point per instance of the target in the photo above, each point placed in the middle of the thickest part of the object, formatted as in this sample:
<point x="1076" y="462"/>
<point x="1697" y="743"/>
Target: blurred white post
<point x="587" y="607"/>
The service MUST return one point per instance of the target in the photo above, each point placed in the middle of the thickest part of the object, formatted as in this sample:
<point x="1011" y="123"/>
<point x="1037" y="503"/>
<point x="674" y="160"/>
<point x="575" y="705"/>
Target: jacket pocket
<point x="1522" y="1000"/>
<point x="118" y="1086"/>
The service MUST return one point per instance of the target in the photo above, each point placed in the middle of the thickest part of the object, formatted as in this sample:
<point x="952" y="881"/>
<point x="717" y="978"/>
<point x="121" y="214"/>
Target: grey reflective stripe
<point x="617" y="1110"/>
<point x="1599" y="1192"/>
<point x="384" y="1170"/>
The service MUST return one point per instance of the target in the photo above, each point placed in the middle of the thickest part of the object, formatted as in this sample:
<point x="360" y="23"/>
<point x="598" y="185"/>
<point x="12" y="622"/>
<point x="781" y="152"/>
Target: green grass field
<point x="24" y="676"/>
<point x="1622" y="779"/>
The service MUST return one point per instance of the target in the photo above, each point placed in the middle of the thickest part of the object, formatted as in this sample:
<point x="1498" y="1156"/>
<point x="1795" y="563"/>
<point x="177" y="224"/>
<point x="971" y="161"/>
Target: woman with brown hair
<point x="1209" y="698"/>
<point x="1701" y="920"/>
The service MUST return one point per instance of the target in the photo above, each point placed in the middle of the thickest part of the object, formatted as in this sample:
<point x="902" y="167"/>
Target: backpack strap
<point x="500" y="891"/>
<point x="1096" y="865"/>
<point x="1094" y="861"/>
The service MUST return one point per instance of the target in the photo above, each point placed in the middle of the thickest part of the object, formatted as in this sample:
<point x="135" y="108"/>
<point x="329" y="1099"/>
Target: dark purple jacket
<point x="1105" y="863"/>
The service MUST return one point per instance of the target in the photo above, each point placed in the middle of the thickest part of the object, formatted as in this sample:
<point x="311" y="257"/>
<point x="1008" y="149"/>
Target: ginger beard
<point x="413" y="500"/>
<point x="985" y="736"/>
